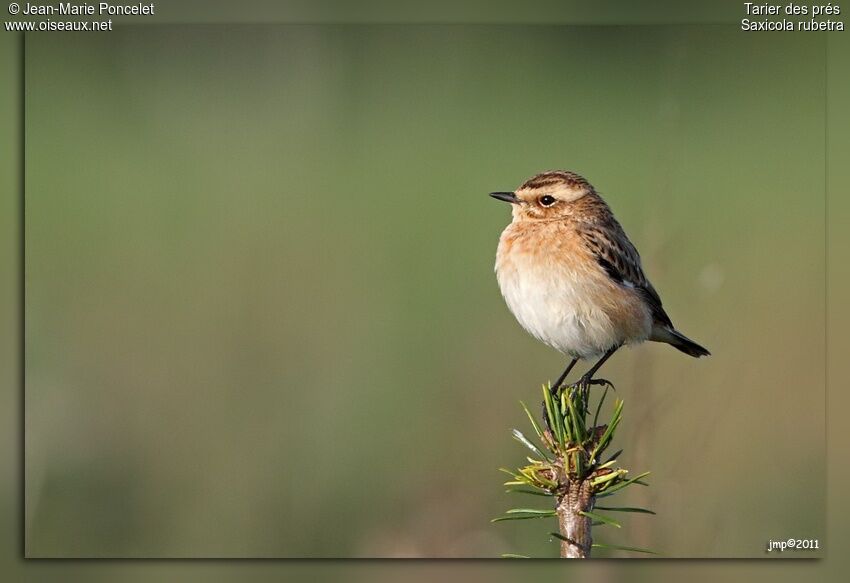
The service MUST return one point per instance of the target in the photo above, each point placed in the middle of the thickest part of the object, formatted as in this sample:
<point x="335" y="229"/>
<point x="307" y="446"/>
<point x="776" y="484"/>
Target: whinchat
<point x="572" y="278"/>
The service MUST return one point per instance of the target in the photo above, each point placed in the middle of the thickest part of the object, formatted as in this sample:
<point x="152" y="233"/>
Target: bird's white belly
<point x="564" y="309"/>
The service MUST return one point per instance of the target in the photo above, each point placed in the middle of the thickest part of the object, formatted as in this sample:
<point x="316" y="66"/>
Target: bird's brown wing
<point x="621" y="261"/>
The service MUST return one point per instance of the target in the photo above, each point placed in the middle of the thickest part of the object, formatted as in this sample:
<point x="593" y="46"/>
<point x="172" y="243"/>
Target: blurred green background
<point x="261" y="314"/>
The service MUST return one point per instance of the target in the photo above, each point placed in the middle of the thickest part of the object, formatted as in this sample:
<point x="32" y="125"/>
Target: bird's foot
<point x="585" y="382"/>
<point x="583" y="387"/>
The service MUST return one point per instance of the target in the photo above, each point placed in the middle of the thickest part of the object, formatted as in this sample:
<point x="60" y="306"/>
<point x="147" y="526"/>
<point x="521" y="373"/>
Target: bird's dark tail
<point x="679" y="341"/>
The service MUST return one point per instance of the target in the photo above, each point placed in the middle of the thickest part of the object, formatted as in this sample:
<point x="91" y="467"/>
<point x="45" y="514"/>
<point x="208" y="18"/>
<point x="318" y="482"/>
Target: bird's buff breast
<point x="560" y="295"/>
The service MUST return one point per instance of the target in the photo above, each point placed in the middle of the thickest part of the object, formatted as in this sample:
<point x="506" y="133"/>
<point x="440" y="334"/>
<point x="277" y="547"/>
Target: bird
<point x="573" y="279"/>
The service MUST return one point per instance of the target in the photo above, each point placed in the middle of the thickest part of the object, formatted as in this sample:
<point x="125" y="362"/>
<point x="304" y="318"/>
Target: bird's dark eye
<point x="547" y="200"/>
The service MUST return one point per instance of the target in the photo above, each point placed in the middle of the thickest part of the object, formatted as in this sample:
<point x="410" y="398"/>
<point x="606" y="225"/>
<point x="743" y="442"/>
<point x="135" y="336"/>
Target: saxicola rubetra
<point x="573" y="279"/>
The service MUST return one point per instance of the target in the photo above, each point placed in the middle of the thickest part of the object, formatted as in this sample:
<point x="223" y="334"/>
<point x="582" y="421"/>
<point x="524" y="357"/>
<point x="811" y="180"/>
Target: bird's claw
<point x="586" y="382"/>
<point x="582" y="385"/>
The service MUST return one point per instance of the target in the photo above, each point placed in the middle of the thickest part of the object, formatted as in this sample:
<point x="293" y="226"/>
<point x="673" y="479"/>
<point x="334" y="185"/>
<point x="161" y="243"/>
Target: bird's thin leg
<point x="589" y="374"/>
<point x="587" y="378"/>
<point x="554" y="388"/>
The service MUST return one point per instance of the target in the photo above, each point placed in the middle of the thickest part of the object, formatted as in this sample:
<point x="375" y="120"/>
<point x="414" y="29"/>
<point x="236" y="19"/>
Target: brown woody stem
<point x="574" y="526"/>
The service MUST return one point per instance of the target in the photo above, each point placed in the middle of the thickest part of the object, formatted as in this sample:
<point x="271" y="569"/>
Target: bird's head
<point x="546" y="196"/>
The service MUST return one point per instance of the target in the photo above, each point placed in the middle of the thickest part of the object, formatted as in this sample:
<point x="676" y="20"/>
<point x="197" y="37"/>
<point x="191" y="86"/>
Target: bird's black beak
<point x="505" y="196"/>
